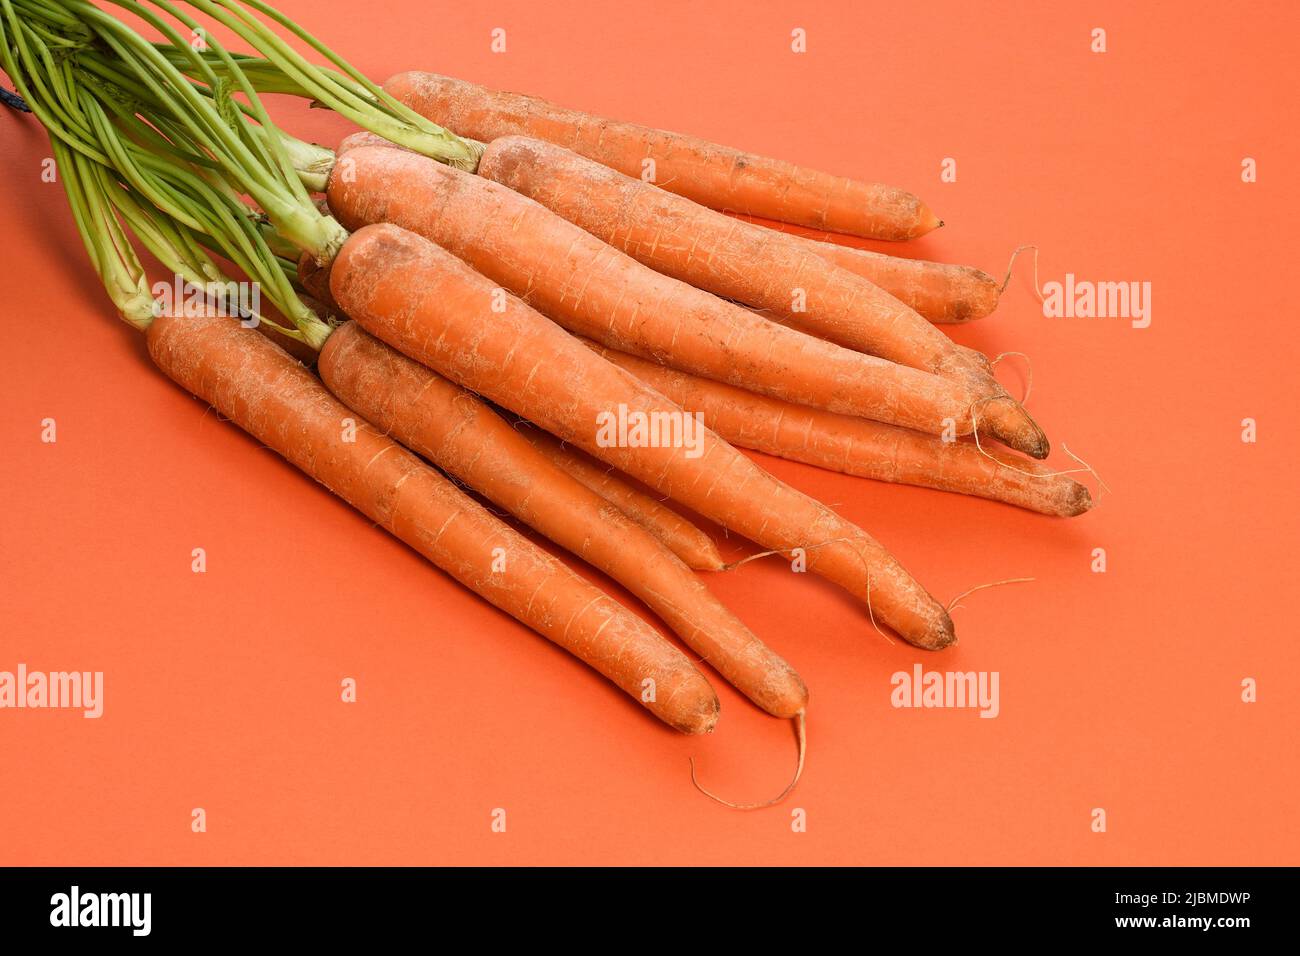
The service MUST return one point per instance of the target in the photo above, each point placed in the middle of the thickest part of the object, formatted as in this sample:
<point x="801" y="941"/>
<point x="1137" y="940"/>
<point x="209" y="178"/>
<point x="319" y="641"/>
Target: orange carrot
<point x="272" y="397"/>
<point x="315" y="278"/>
<point x="760" y="267"/>
<point x="716" y="176"/>
<point x="680" y="536"/>
<point x="597" y="291"/>
<point x="859" y="447"/>
<point x="361" y="138"/>
<point x="939" y="291"/>
<point x="425" y="302"/>
<point x="456" y="431"/>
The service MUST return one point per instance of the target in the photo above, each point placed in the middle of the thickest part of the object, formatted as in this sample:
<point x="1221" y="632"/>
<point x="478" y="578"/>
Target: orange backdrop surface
<point x="1119" y="690"/>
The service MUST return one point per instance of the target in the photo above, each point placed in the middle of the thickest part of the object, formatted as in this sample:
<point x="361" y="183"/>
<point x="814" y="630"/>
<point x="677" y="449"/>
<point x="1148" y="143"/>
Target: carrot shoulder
<point x="272" y="397"/>
<point x="716" y="176"/>
<point x="595" y="290"/>
<point x="770" y="270"/>
<point x="455" y="430"/>
<point x="856" y="446"/>
<point x="425" y="302"/>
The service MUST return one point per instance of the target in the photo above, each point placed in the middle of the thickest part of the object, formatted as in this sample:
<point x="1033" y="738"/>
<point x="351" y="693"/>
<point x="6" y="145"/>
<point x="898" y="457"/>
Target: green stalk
<point x="22" y="54"/>
<point x="262" y="73"/>
<point x="311" y="163"/>
<point x="260" y="165"/>
<point x="176" y="201"/>
<point x="115" y="262"/>
<point x="361" y="101"/>
<point x="278" y="246"/>
<point x="176" y="248"/>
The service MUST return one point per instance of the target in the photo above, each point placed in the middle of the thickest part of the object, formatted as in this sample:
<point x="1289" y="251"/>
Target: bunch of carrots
<point x="478" y="279"/>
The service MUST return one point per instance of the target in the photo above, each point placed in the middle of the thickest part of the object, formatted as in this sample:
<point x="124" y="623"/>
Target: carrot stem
<point x="196" y="204"/>
<point x="111" y="255"/>
<point x="376" y="111"/>
<point x="259" y="164"/>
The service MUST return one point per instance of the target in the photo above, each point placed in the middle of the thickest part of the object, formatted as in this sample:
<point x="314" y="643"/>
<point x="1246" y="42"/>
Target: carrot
<point x="271" y="396"/>
<point x="425" y="302"/>
<point x="716" y="176"/>
<point x="939" y="291"/>
<point x="680" y="536"/>
<point x="456" y="431"/>
<point x="363" y="137"/>
<point x="315" y="278"/>
<point x="597" y="291"/>
<point x="855" y="446"/>
<point x="747" y="263"/>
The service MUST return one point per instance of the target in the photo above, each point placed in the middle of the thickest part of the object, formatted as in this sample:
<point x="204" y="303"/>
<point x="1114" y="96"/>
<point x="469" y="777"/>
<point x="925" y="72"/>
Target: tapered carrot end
<point x="937" y="633"/>
<point x="1033" y="443"/>
<point x="703" y="555"/>
<point x="1036" y="448"/>
<point x="983" y="298"/>
<point x="1008" y="422"/>
<point x="1078" y="499"/>
<point x="941" y="634"/>
<point x="703" y="720"/>
<point x="926" y="221"/>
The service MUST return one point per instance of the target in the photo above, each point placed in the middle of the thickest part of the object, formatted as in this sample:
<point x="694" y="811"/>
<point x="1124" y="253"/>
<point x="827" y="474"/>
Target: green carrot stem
<point x="260" y="166"/>
<point x="361" y="101"/>
<point x="111" y="255"/>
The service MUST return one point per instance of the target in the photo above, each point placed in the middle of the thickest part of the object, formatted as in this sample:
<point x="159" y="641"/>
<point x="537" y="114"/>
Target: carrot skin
<point x="760" y="267"/>
<point x="454" y="429"/>
<point x="713" y="175"/>
<point x="859" y="447"/>
<point x="363" y="137"/>
<point x="551" y="264"/>
<point x="272" y="397"/>
<point x="428" y="304"/>
<point x="941" y="292"/>
<point x="727" y="256"/>
<point x="315" y="278"/>
<point x="680" y="536"/>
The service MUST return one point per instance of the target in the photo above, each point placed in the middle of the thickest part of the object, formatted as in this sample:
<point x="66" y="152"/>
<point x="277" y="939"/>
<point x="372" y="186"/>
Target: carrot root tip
<point x="1079" y="501"/>
<point x="953" y="605"/>
<point x="801" y="733"/>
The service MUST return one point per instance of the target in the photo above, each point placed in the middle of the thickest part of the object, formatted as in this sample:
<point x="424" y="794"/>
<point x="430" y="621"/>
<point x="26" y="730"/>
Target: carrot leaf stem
<point x="111" y="255"/>
<point x="351" y="94"/>
<point x="207" y="123"/>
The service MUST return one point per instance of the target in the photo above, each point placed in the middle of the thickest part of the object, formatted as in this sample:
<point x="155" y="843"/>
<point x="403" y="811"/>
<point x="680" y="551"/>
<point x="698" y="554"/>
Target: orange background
<point x="1118" y="690"/>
